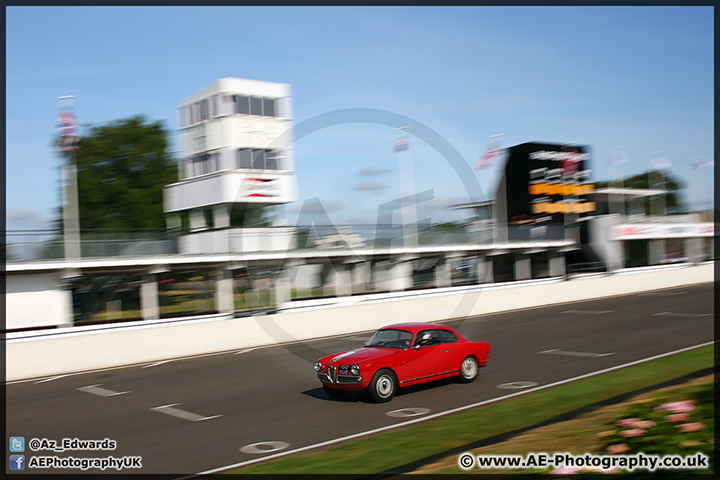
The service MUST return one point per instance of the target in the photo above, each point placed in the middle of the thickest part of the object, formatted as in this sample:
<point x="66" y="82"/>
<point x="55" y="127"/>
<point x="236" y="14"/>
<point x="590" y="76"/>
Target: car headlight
<point x="317" y="365"/>
<point x="355" y="369"/>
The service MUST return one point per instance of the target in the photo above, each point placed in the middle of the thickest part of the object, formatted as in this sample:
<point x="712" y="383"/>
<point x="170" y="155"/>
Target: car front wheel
<point x="383" y="386"/>
<point x="468" y="370"/>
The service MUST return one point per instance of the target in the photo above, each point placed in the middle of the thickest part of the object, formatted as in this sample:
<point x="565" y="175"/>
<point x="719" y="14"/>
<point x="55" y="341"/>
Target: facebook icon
<point x="17" y="462"/>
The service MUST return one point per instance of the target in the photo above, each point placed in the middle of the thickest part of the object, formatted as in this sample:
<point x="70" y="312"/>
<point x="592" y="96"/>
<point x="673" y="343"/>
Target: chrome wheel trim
<point x="384" y="386"/>
<point x="469" y="368"/>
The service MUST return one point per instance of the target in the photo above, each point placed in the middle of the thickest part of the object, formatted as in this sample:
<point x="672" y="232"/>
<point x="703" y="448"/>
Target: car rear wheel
<point x="383" y="386"/>
<point x="469" y="370"/>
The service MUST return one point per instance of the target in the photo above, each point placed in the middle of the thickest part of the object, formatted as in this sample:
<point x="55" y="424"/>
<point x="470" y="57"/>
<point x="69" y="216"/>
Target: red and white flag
<point x="703" y="164"/>
<point x="617" y="156"/>
<point x="67" y="128"/>
<point x="490" y="156"/>
<point x="402" y="144"/>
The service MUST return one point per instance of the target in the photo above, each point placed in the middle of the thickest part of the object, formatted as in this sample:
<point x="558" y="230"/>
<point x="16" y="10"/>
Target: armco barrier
<point x="75" y="350"/>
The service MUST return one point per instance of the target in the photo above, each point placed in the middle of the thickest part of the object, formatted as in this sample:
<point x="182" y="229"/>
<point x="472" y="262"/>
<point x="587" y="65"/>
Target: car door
<point x="452" y="348"/>
<point x="431" y="357"/>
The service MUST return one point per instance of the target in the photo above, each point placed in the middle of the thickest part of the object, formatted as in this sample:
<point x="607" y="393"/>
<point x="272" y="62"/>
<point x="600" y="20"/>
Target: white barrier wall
<point x="37" y="300"/>
<point x="85" y="350"/>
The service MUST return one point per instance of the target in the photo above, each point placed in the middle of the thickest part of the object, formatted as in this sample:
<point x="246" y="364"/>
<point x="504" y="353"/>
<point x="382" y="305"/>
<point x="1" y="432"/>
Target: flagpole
<point x="71" y="222"/>
<point x="617" y="161"/>
<point x="493" y="222"/>
<point x="408" y="203"/>
<point x="567" y="149"/>
<point x="705" y="190"/>
<point x="654" y="166"/>
<point x="488" y="160"/>
<point x="623" y="211"/>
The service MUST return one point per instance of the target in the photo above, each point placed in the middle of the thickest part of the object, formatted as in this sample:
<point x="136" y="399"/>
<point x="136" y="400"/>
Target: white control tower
<point x="236" y="143"/>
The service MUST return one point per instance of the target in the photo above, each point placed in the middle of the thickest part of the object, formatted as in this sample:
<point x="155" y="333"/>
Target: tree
<point x="654" y="180"/>
<point x="252" y="217"/>
<point x="122" y="168"/>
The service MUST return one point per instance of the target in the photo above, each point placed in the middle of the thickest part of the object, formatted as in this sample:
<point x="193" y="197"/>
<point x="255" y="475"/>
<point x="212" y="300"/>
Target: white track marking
<point x="244" y="350"/>
<point x="103" y="392"/>
<point x="408" y="412"/>
<point x="516" y="385"/>
<point x="156" y="363"/>
<point x="176" y="412"/>
<point x="555" y="351"/>
<point x="255" y="449"/>
<point x="437" y="415"/>
<point x="50" y="379"/>
<point x="686" y="315"/>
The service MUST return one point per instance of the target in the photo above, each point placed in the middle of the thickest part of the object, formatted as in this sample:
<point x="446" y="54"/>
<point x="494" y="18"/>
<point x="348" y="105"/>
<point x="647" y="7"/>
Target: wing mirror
<point x="417" y="346"/>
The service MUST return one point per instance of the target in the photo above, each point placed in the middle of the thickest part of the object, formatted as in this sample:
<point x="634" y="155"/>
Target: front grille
<point x="332" y="371"/>
<point x="324" y="377"/>
<point x="349" y="379"/>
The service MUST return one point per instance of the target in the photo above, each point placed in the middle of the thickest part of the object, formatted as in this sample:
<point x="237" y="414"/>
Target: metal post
<point x="407" y="190"/>
<point x="71" y="221"/>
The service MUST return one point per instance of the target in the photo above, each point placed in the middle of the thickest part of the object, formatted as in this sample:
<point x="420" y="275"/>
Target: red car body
<point x="402" y="355"/>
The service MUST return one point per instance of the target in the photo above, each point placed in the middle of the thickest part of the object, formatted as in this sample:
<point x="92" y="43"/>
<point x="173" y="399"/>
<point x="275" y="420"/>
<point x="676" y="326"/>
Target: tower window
<point x="255" y="106"/>
<point x="257" y="159"/>
<point x="242" y="104"/>
<point x="269" y="107"/>
<point x="245" y="158"/>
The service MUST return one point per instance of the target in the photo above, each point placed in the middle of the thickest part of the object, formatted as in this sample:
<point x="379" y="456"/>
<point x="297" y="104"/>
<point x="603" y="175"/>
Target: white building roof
<point x="628" y="193"/>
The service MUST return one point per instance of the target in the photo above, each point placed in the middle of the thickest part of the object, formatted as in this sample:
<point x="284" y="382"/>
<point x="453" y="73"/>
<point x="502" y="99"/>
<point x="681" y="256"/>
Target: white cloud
<point x="371" y="171"/>
<point x="370" y="186"/>
<point x="26" y="219"/>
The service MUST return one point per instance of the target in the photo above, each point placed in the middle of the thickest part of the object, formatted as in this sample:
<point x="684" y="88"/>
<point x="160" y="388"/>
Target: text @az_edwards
<point x="71" y="444"/>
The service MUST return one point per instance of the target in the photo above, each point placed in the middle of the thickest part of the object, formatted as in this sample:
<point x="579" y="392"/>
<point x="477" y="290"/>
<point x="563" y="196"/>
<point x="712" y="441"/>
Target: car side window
<point x="426" y="338"/>
<point x="446" y="336"/>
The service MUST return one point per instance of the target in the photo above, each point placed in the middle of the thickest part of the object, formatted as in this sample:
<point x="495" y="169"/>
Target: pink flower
<point x="691" y="427"/>
<point x="676" y="407"/>
<point x="678" y="417"/>
<point x="628" y="422"/>
<point x="635" y="432"/>
<point x="617" y="448"/>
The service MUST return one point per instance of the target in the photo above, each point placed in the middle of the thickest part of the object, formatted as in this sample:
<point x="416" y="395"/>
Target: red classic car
<point x="399" y="356"/>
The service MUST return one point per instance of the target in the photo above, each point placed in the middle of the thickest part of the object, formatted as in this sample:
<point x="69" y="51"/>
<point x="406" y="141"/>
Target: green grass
<point x="397" y="447"/>
<point x="587" y="433"/>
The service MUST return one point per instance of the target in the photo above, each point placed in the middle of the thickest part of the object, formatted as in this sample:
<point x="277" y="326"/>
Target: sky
<point x="640" y="78"/>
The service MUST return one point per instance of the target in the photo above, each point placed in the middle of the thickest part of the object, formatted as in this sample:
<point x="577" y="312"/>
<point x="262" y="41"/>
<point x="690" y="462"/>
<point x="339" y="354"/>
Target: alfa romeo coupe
<point x="399" y="356"/>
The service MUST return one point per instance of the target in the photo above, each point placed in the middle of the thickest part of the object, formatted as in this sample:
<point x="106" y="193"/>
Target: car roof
<point x="415" y="327"/>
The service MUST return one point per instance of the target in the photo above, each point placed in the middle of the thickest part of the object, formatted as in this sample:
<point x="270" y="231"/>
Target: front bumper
<point x="340" y="378"/>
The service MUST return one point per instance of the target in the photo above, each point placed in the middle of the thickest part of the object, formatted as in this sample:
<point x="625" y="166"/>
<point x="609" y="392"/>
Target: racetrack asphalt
<point x="194" y="415"/>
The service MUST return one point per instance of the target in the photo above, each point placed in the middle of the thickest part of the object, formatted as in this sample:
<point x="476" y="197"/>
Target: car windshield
<point x="390" y="339"/>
